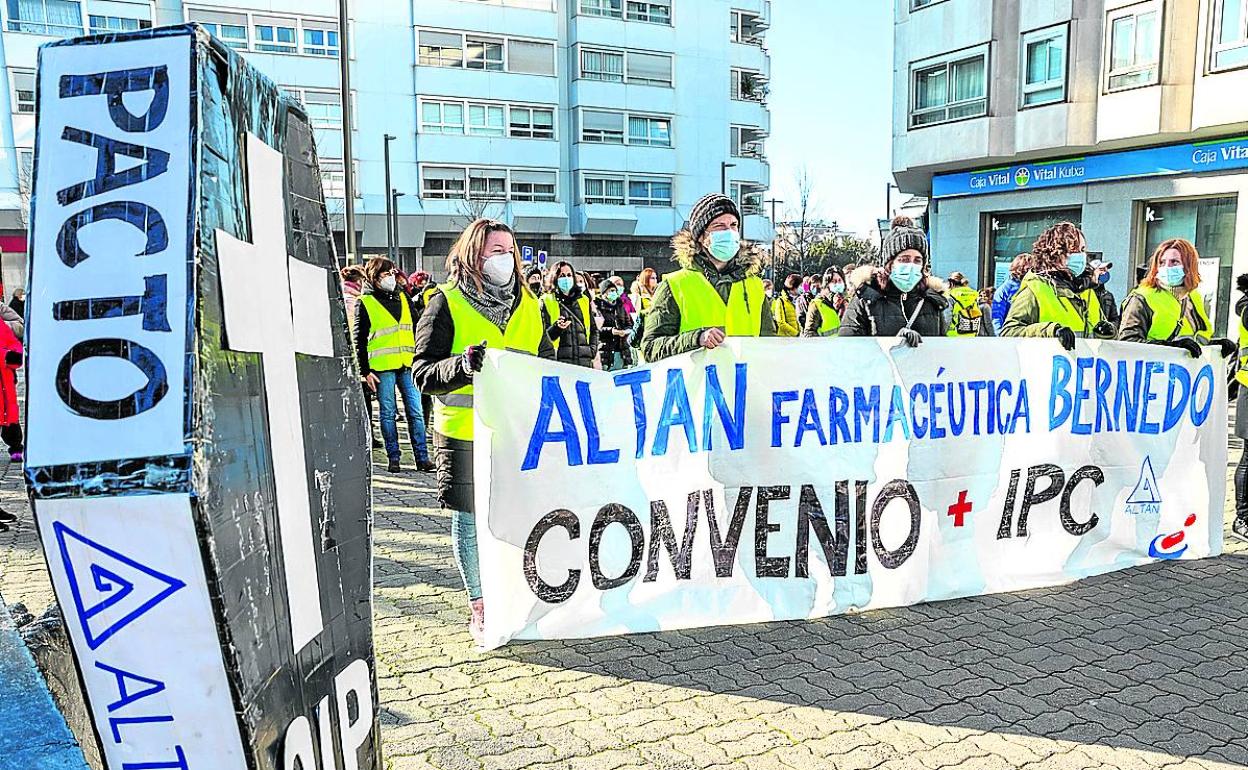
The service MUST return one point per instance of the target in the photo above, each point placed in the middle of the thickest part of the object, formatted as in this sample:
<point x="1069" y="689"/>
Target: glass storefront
<point x="1210" y="224"/>
<point x="1014" y="233"/>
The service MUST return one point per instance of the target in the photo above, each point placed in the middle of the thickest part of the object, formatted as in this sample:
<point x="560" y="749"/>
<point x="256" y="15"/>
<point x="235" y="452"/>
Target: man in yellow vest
<point x="718" y="293"/>
<point x="385" y="346"/>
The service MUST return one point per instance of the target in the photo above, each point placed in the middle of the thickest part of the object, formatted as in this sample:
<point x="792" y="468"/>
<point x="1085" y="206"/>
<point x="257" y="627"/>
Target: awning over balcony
<point x="600" y="219"/>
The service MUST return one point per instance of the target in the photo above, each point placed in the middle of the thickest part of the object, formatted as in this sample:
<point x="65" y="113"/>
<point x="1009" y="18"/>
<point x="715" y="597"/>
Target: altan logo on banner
<point x="1146" y="497"/>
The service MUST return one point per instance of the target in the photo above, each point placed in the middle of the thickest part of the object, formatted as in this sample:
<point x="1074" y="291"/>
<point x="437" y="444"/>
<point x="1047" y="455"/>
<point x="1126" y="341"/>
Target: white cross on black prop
<point x="259" y="280"/>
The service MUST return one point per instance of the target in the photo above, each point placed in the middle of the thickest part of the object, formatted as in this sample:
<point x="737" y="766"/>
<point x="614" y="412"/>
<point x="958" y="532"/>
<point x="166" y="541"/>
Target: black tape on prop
<point x="197" y="454"/>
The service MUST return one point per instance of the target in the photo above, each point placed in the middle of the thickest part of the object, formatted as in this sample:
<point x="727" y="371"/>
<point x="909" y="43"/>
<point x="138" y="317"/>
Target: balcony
<point x="750" y="28"/>
<point x="748" y="86"/>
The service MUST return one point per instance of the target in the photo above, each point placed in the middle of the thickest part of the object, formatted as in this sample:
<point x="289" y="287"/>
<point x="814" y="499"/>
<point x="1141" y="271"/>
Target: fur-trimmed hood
<point x="877" y="278"/>
<point x="684" y="249"/>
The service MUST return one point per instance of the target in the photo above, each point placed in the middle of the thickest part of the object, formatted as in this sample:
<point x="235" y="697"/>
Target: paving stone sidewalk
<point x="1136" y="669"/>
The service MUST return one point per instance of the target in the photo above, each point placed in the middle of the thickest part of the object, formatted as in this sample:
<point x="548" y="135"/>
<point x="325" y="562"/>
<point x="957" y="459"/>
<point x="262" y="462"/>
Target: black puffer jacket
<point x="878" y="309"/>
<point x="576" y="344"/>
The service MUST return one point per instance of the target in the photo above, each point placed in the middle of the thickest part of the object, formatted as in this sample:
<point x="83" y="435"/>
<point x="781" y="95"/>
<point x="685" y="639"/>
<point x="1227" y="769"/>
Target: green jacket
<point x="661" y="337"/>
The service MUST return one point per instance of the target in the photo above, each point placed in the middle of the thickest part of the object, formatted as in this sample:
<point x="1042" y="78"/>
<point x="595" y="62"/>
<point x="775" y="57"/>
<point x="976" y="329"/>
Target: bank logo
<point x="1022" y="177"/>
<point x="1146" y="497"/>
<point x="1171" y="546"/>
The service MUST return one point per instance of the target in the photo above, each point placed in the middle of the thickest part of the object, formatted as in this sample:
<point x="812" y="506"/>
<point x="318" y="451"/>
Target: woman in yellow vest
<point x="716" y="295"/>
<point x="1056" y="298"/>
<point x="823" y="317"/>
<point x="384" y="345"/>
<point x="484" y="303"/>
<point x="967" y="317"/>
<point x="1167" y="308"/>
<point x="643" y="290"/>
<point x="568" y="315"/>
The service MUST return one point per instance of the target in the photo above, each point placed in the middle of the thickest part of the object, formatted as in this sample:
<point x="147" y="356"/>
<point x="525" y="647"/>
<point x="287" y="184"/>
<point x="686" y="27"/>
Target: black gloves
<point x="910" y="337"/>
<point x="1228" y="347"/>
<point x="1066" y="337"/>
<point x="1105" y="330"/>
<point x="1189" y="344"/>
<point x="473" y="358"/>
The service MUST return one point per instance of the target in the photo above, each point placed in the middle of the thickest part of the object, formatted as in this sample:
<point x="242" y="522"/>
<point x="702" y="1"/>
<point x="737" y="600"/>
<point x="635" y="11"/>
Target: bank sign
<point x="1200" y="157"/>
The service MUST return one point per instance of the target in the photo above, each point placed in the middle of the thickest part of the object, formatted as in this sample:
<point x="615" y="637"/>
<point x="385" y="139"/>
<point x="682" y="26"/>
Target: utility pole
<point x="391" y="235"/>
<point x="348" y="161"/>
<point x="775" y="233"/>
<point x="394" y="228"/>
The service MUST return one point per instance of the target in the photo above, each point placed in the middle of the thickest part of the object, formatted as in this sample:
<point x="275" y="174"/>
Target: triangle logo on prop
<point x="1146" y="497"/>
<point x="110" y="590"/>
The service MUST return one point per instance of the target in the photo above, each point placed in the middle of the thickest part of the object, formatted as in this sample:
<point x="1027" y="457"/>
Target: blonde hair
<point x="466" y="252"/>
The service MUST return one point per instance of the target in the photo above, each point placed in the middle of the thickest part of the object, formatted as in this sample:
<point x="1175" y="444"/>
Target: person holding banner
<point x="1056" y="297"/>
<point x="823" y="317"/>
<point x="901" y="300"/>
<point x="718" y="293"/>
<point x="569" y="318"/>
<point x="485" y="304"/>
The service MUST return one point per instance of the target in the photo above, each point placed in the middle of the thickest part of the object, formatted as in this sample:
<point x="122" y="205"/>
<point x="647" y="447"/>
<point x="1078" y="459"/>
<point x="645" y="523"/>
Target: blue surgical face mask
<point x="905" y="276"/>
<point x="1077" y="262"/>
<point x="836" y="288"/>
<point x="612" y="295"/>
<point x="725" y="244"/>
<point x="1172" y="277"/>
<point x="1104" y="279"/>
<point x="564" y="283"/>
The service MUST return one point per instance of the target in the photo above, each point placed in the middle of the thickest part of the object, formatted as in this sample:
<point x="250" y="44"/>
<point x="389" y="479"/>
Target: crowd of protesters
<point x="426" y="342"/>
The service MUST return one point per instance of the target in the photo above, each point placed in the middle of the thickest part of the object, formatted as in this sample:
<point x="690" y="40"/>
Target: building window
<point x="485" y="120"/>
<point x="610" y="8"/>
<point x="530" y="57"/>
<point x="1210" y="224"/>
<point x="652" y="12"/>
<point x="333" y="179"/>
<point x="599" y="127"/>
<point x="441" y="49"/>
<point x="25" y="169"/>
<point x="103" y="24"/>
<point x="746" y="142"/>
<point x="604" y="190"/>
<point x="532" y="123"/>
<point x="324" y="108"/>
<point x="1230" y="34"/>
<point x="917" y="4"/>
<point x="442" y="117"/>
<point x="23" y="91"/>
<point x="954" y="88"/>
<point x="62" y="18"/>
<point x="442" y="183"/>
<point x="650" y="192"/>
<point x="1044" y="66"/>
<point x="650" y="69"/>
<point x="650" y="132"/>
<point x="487" y="184"/>
<point x="1013" y="234"/>
<point x="746" y="28"/>
<point x="602" y="65"/>
<point x="533" y="186"/>
<point x="745" y="85"/>
<point x="748" y="197"/>
<point x="1134" y="46"/>
<point x="274" y="36"/>
<point x="229" y="28"/>
<point x="485" y="54"/>
<point x="320" y="40"/>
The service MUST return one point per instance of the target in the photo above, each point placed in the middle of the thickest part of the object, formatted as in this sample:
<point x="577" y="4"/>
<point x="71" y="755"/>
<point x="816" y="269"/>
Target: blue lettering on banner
<point x="1142" y="401"/>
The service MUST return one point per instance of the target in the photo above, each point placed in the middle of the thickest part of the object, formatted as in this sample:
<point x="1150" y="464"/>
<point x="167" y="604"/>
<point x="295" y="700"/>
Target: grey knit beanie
<point x="901" y="238"/>
<point x="707" y="210"/>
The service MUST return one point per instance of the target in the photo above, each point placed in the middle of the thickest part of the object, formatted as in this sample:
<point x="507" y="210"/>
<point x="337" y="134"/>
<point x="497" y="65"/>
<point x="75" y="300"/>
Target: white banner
<point x="780" y="479"/>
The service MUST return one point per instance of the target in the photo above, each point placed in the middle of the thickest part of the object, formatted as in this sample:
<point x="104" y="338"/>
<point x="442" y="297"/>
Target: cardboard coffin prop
<point x="197" y="453"/>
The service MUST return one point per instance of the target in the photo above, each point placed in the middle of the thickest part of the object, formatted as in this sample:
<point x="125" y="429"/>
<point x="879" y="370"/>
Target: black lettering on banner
<point x="144" y="218"/>
<point x="1057" y="480"/>
<point x="541" y="589"/>
<point x="724" y="551"/>
<point x="118" y="83"/>
<point x="1007" y="514"/>
<point x="835" y="546"/>
<point x="764" y="565"/>
<point x="1086" y="473"/>
<point x="860" y="523"/>
<point x="894" y="490"/>
<point x="137" y="402"/>
<point x="152" y="305"/>
<point x="153" y="163"/>
<point x="662" y="535"/>
<point x="614" y="513"/>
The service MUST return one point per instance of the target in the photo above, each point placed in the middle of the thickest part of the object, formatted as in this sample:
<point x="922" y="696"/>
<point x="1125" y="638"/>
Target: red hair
<point x="1191" y="264"/>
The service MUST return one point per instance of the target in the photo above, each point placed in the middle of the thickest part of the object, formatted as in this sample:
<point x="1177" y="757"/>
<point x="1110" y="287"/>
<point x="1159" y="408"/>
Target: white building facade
<point x="591" y="126"/>
<point x="1127" y="117"/>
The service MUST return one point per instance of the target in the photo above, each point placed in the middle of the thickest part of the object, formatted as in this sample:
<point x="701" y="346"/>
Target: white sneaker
<point x="1240" y="529"/>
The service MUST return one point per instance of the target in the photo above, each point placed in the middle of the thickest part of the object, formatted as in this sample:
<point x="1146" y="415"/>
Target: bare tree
<point x="800" y="236"/>
<point x="471" y="209"/>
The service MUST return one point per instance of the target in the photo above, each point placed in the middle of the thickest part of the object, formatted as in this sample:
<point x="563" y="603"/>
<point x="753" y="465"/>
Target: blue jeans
<point x="464" y="538"/>
<point x="388" y="407"/>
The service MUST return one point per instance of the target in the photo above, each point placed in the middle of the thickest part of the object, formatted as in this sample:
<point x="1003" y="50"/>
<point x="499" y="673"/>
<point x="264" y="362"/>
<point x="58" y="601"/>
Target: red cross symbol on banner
<point x="959" y="509"/>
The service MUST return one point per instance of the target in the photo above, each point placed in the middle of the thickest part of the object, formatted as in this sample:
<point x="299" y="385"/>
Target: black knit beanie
<point x="901" y="238"/>
<point x="707" y="210"/>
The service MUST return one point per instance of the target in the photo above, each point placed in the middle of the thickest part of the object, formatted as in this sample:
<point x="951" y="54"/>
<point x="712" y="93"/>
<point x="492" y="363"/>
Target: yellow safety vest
<point x="966" y="313"/>
<point x="1169" y="321"/>
<point x="829" y="319"/>
<point x="782" y="309"/>
<point x="1060" y="310"/>
<point x="391" y="343"/>
<point x="452" y="413"/>
<point x="701" y="306"/>
<point x="1242" y="374"/>
<point x="554" y="309"/>
<point x="429" y="292"/>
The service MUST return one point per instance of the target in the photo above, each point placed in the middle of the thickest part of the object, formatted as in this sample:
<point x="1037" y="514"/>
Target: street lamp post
<point x="888" y="200"/>
<point x="774" y="235"/>
<point x="344" y="60"/>
<point x="723" y="176"/>
<point x="391" y="235"/>
<point x="393" y="226"/>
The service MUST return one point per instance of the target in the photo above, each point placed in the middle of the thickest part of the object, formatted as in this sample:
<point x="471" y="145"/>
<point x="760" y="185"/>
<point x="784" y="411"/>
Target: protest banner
<point x="780" y="479"/>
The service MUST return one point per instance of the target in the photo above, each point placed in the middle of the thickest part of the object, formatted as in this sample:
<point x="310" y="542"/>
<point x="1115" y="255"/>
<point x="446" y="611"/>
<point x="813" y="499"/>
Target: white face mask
<point x="389" y="283"/>
<point x="499" y="268"/>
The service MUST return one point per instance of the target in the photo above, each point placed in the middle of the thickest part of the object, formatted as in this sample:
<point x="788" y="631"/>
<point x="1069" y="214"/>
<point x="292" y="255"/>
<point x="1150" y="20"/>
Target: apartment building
<point x="1125" y="116"/>
<point x="592" y="126"/>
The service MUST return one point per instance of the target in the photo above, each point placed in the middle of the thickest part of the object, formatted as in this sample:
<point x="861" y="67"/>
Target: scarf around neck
<point x="493" y="302"/>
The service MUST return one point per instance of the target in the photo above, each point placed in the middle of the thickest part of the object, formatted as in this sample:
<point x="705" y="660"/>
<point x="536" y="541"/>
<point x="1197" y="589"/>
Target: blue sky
<point x="831" y="96"/>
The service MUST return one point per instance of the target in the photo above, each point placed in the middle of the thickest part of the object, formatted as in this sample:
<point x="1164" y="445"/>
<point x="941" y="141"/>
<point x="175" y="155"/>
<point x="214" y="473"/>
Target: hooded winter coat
<point x="661" y="337"/>
<point x="576" y="344"/>
<point x="879" y="309"/>
<point x="1023" y="319"/>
